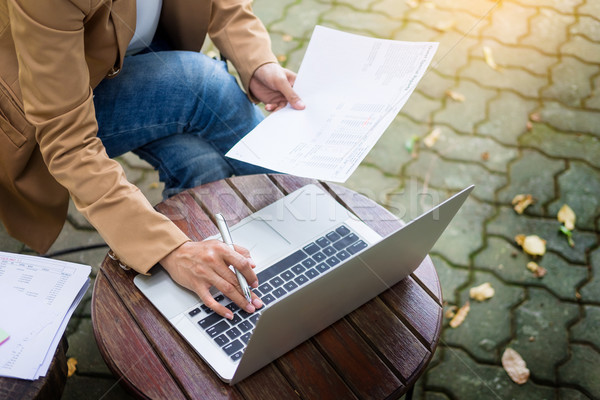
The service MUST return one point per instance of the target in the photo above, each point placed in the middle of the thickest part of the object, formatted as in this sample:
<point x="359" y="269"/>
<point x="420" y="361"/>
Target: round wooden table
<point x="378" y="351"/>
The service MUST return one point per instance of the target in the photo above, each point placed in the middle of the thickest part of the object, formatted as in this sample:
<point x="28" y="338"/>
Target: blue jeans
<point x="181" y="112"/>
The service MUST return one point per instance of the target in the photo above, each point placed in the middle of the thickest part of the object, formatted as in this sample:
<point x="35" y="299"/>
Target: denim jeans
<point x="181" y="112"/>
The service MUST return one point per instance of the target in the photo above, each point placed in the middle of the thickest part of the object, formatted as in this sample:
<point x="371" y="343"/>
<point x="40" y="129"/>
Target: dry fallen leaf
<point x="433" y="137"/>
<point x="153" y="185"/>
<point x="521" y="201"/>
<point x="535" y="117"/>
<point x="515" y="366"/>
<point x="567" y="216"/>
<point x="412" y="3"/>
<point x="281" y="58"/>
<point x="450" y="312"/>
<point x="485" y="156"/>
<point x="489" y="57"/>
<point x="287" y="38"/>
<point x="482" y="292"/>
<point x="529" y="126"/>
<point x="537" y="270"/>
<point x="455" y="95"/>
<point x="460" y="315"/>
<point x="72" y="366"/>
<point x="532" y="244"/>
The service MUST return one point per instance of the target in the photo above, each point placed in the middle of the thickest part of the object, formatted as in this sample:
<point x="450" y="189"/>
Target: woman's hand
<point x="272" y="85"/>
<point x="200" y="265"/>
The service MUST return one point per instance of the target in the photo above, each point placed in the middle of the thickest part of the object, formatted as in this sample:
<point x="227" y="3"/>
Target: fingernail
<point x="229" y="316"/>
<point x="300" y="104"/>
<point x="255" y="284"/>
<point x="250" y="308"/>
<point x="257" y="303"/>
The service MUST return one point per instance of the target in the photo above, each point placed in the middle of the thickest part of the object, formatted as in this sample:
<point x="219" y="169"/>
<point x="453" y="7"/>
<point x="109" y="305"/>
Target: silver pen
<point x="226" y="236"/>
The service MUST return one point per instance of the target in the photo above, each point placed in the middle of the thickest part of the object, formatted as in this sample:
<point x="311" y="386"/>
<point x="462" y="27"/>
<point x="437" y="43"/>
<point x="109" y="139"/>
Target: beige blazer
<point x="52" y="55"/>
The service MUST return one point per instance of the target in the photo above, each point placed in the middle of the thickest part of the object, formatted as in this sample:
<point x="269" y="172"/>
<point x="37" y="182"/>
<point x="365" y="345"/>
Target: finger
<point x="233" y="292"/>
<point x="256" y="301"/>
<point x="214" y="305"/>
<point x="243" y="264"/>
<point x="242" y="250"/>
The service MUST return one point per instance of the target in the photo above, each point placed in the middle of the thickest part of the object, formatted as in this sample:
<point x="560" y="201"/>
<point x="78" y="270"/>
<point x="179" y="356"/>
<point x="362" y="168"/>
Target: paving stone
<point x="571" y="394"/>
<point x="508" y="114"/>
<point x="392" y="8"/>
<point x="446" y="19"/>
<point x="282" y="44"/>
<point x="477" y="8"/>
<point x="593" y="102"/>
<point x="477" y="149"/>
<point x="527" y="58"/>
<point x="389" y="153"/>
<point x="411" y="31"/>
<point x="564" y="6"/>
<point x="86" y="387"/>
<point x="541" y="324"/>
<point x="579" y="187"/>
<point x="571" y="81"/>
<point x="413" y="198"/>
<point x="591" y="290"/>
<point x="588" y="329"/>
<point x="368" y="24"/>
<point x="509" y="224"/>
<point x="453" y="52"/>
<point x="563" y="144"/>
<point x="533" y="173"/>
<point x="463" y="116"/>
<point x="463" y="378"/>
<point x="371" y="182"/>
<point x="547" y="31"/>
<point x="421" y="108"/>
<point x="589" y="9"/>
<point x="451" y="278"/>
<point x="456" y="176"/>
<point x="83" y="347"/>
<point x="582" y="370"/>
<point x="488" y="323"/>
<point x="569" y="119"/>
<point x="8" y="243"/>
<point x="506" y="261"/>
<point x="514" y="79"/>
<point x="301" y="18"/>
<point x="583" y="49"/>
<point x="271" y="11"/>
<point x="508" y="22"/>
<point x="434" y="85"/>
<point x="435" y="396"/>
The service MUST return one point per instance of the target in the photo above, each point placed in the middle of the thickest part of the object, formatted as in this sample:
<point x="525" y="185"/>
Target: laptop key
<point x="342" y="255"/>
<point x="245" y="338"/>
<point x="301" y="280"/>
<point x="333" y="261"/>
<point x="311" y="248"/>
<point x="233" y="307"/>
<point x="333" y="236"/>
<point x="290" y="286"/>
<point x="356" y="247"/>
<point x="233" y="333"/>
<point x="318" y="257"/>
<point x="281" y="266"/>
<point x="255" y="318"/>
<point x="309" y="262"/>
<point x="245" y="326"/>
<point x="329" y="251"/>
<point x="244" y="314"/>
<point x="277" y="281"/>
<point x="345" y="241"/>
<point x="323" y="241"/>
<point x="217" y="329"/>
<point x="298" y="269"/>
<point x="343" y="230"/>
<point x="221" y="340"/>
<point x="210" y="320"/>
<point x="237" y="356"/>
<point x="279" y="292"/>
<point x="269" y="298"/>
<point x="287" y="275"/>
<point x="322" y="267"/>
<point x="312" y="273"/>
<point x="195" y="311"/>
<point x="235" y="320"/>
<point x="233" y="347"/>
<point x="265" y="288"/>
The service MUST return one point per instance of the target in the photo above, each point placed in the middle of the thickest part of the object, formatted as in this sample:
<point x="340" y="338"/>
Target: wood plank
<point x="258" y="191"/>
<point x="182" y="362"/>
<point x="268" y="383"/>
<point x="289" y="183"/>
<point x="391" y="337"/>
<point x="427" y="276"/>
<point x="415" y="306"/>
<point x="187" y="215"/>
<point x="125" y="348"/>
<point x="312" y="375"/>
<point x="219" y="197"/>
<point x="358" y="364"/>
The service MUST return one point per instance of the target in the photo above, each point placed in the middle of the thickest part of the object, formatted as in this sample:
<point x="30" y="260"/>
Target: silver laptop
<point x="316" y="262"/>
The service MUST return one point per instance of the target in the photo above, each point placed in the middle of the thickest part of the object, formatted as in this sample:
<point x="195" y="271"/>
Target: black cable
<point x="73" y="250"/>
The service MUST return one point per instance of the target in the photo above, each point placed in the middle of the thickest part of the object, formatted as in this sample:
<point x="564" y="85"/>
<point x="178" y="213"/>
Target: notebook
<point x="310" y="252"/>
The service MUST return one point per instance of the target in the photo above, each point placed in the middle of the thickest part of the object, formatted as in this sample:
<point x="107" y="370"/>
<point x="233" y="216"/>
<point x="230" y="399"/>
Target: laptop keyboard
<point x="283" y="277"/>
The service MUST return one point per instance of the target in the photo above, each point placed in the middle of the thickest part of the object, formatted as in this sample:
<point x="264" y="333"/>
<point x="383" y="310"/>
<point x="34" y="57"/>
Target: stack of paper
<point x="37" y="298"/>
<point x="353" y="87"/>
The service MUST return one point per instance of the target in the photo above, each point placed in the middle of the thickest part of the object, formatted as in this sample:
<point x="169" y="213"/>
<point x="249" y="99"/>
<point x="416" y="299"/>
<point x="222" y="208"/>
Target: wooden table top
<point x="377" y="351"/>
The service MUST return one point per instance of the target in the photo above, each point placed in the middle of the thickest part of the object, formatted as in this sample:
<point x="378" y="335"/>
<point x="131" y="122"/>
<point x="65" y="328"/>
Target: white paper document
<point x="37" y="298"/>
<point x="353" y="87"/>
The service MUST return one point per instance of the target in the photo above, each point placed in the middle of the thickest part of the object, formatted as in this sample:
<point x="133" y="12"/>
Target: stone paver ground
<point x="515" y="91"/>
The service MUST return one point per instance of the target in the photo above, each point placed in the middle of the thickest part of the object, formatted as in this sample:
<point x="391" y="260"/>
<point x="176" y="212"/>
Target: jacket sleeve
<point x="240" y="36"/>
<point x="57" y="99"/>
